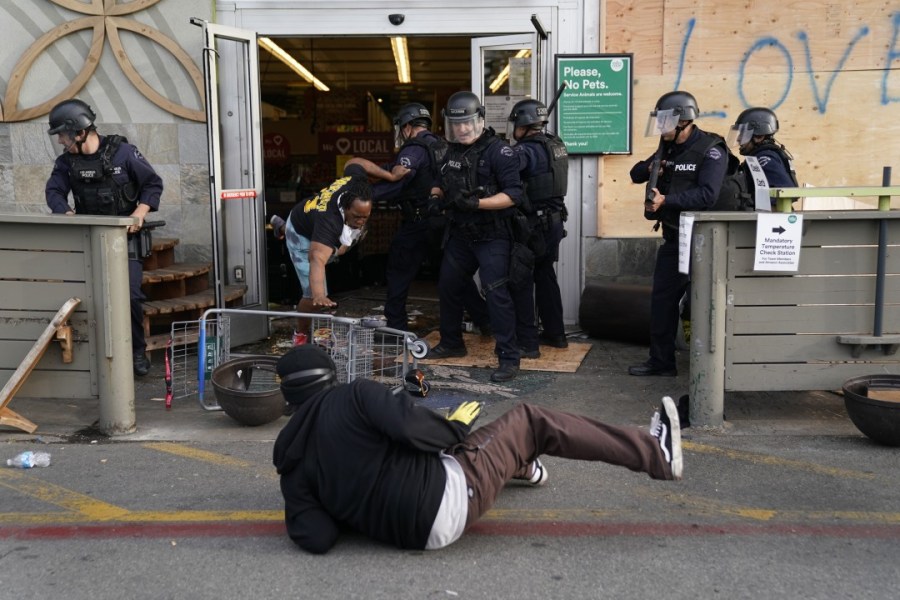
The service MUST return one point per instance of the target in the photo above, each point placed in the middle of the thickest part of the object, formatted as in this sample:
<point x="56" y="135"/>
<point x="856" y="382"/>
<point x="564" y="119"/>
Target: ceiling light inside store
<point x="401" y="57"/>
<point x="291" y="62"/>
<point x="504" y="74"/>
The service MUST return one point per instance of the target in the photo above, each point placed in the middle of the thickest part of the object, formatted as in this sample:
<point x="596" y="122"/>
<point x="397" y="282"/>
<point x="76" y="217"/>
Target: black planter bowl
<point x="879" y="420"/>
<point x="248" y="390"/>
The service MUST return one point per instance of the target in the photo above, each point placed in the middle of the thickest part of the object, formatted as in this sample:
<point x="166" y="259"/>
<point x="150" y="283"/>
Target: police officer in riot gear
<point x="689" y="167"/>
<point x="544" y="168"/>
<point x="420" y="151"/>
<point x="753" y="133"/>
<point x="481" y="188"/>
<point x="106" y="176"/>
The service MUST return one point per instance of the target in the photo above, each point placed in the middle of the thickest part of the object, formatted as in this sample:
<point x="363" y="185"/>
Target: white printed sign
<point x="778" y="237"/>
<point x="685" y="230"/>
<point x="761" y="196"/>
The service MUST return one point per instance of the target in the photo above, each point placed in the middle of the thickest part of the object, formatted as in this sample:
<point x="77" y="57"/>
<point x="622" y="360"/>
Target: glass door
<point x="505" y="69"/>
<point x="237" y="206"/>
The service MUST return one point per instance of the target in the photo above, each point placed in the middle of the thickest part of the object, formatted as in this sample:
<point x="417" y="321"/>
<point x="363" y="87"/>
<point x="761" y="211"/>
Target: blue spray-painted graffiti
<point x="821" y="98"/>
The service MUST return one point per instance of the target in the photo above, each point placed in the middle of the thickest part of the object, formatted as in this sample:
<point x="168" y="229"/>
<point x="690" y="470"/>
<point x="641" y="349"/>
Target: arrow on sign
<point x="778" y="229"/>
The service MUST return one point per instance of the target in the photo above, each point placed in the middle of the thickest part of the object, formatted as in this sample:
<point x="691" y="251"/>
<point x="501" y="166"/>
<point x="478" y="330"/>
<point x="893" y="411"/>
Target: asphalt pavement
<point x="788" y="500"/>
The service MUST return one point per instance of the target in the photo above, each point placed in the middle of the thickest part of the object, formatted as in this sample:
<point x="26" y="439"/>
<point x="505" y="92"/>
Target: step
<point x="160" y="314"/>
<point x="174" y="281"/>
<point x="163" y="253"/>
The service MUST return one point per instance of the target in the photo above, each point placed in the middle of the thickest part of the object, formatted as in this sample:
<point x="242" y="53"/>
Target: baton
<point x="559" y="92"/>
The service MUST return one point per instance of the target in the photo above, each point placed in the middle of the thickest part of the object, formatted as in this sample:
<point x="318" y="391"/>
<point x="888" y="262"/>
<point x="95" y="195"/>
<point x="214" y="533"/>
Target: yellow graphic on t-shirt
<point x="319" y="203"/>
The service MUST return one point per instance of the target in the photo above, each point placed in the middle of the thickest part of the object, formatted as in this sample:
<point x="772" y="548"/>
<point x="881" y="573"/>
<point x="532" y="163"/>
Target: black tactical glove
<point x="435" y="206"/>
<point x="464" y="203"/>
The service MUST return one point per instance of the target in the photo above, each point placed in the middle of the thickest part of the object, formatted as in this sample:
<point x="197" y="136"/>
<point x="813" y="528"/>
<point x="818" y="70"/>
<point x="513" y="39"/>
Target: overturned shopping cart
<point x="359" y="348"/>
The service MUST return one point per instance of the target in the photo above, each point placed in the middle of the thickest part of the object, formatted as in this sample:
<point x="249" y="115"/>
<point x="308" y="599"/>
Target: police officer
<point x="544" y="168"/>
<point x="419" y="152"/>
<point x="106" y="176"/>
<point x="753" y="133"/>
<point x="480" y="187"/>
<point x="689" y="166"/>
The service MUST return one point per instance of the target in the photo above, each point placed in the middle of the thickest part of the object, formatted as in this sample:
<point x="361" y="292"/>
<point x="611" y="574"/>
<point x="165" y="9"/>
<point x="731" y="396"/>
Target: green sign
<point x="594" y="111"/>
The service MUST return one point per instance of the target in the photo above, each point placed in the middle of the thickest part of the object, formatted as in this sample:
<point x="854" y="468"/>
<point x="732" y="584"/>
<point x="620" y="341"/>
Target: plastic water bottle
<point x="28" y="459"/>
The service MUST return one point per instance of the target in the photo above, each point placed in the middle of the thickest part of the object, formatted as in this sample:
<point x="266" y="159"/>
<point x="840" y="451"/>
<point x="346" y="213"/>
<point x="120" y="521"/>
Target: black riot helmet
<point x="414" y="114"/>
<point x="750" y="123"/>
<point x="71" y="116"/>
<point x="463" y="118"/>
<point x="529" y="112"/>
<point x="526" y="113"/>
<point x="671" y="108"/>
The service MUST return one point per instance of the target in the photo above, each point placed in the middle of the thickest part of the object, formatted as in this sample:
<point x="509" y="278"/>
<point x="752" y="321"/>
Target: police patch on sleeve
<point x="507" y="151"/>
<point x="138" y="155"/>
<point x="714" y="153"/>
<point x="405" y="162"/>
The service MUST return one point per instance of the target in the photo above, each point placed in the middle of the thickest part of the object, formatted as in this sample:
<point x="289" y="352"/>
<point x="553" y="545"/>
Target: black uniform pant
<point x="135" y="274"/>
<point x="546" y="286"/>
<point x="462" y="257"/>
<point x="409" y="248"/>
<point x="668" y="287"/>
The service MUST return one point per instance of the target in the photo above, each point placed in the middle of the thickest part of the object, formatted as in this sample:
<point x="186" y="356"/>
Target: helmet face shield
<point x="463" y="130"/>
<point x="739" y="135"/>
<point x="399" y="138"/>
<point x="661" y="122"/>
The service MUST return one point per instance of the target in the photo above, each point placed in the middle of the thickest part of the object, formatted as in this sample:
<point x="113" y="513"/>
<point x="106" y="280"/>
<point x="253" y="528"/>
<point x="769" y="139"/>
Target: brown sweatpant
<point x="505" y="448"/>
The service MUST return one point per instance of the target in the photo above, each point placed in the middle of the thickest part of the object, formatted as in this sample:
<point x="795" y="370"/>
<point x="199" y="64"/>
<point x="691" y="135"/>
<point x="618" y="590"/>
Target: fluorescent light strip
<point x="504" y="74"/>
<point x="291" y="62"/>
<point x="401" y="57"/>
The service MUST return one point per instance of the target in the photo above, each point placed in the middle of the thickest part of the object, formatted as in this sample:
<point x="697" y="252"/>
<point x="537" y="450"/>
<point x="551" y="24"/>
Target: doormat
<point x="481" y="354"/>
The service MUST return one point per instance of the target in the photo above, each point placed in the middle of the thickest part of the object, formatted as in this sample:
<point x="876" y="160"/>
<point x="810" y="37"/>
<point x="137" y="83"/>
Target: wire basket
<point x="184" y="356"/>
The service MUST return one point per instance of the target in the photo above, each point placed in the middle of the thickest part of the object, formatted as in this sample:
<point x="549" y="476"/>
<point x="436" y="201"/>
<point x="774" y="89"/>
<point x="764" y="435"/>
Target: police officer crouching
<point x="480" y="189"/>
<point x="107" y="176"/>
<point x="544" y="168"/>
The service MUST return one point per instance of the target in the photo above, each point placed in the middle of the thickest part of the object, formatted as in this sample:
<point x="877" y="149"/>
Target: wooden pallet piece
<point x="57" y="323"/>
<point x="174" y="281"/>
<point x="163" y="254"/>
<point x="160" y="313"/>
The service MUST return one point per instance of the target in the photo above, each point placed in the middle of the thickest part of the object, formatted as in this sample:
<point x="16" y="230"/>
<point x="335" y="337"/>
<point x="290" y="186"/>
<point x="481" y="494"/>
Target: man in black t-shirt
<point x="323" y="228"/>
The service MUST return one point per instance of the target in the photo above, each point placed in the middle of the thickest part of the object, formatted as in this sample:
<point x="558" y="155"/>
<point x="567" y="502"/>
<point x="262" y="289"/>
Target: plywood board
<point x="481" y="354"/>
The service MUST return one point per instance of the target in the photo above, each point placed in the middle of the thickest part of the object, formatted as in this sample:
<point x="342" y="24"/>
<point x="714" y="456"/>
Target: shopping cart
<point x="358" y="347"/>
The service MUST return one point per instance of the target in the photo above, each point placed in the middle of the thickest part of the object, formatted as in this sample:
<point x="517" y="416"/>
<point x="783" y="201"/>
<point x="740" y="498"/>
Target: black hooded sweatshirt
<point x="358" y="456"/>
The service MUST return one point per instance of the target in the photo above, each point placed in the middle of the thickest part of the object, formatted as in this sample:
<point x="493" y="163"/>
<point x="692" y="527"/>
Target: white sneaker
<point x="539" y="475"/>
<point x="666" y="428"/>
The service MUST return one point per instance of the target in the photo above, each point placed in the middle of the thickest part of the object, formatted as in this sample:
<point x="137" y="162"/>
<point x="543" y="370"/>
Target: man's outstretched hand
<point x="467" y="412"/>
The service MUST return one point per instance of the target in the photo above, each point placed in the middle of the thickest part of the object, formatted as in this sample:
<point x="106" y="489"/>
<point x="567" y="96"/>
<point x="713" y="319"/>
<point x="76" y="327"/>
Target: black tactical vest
<point x="547" y="190"/>
<point x="681" y="173"/>
<point x="460" y="172"/>
<point x="415" y="194"/>
<point x="94" y="188"/>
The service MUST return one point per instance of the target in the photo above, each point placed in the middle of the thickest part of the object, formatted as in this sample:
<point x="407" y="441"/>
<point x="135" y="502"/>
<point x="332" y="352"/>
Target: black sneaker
<point x="555" y="341"/>
<point x="506" y="372"/>
<point x="442" y="351"/>
<point x="536" y="353"/>
<point x="141" y="364"/>
<point x="665" y="427"/>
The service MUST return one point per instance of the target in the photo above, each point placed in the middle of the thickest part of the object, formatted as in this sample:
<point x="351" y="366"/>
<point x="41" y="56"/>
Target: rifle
<point x="654" y="173"/>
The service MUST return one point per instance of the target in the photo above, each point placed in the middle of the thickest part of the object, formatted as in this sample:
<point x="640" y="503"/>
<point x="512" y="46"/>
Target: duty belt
<point x="546" y="218"/>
